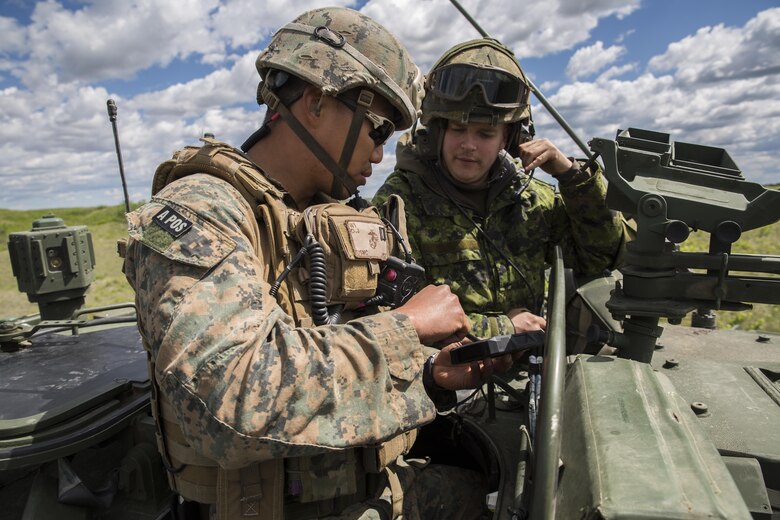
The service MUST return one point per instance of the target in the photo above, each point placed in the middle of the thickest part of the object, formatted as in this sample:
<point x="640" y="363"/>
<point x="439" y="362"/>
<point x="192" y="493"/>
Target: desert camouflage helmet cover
<point x="486" y="54"/>
<point x="339" y="49"/>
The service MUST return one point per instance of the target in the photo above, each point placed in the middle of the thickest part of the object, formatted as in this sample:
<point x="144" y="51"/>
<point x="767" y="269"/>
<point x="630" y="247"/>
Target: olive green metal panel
<point x="632" y="449"/>
<point x="735" y="376"/>
<point x="747" y="474"/>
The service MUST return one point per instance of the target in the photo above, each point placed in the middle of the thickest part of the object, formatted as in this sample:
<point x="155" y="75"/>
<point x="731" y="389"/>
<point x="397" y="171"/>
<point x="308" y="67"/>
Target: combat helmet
<point x="338" y="49"/>
<point x="477" y="81"/>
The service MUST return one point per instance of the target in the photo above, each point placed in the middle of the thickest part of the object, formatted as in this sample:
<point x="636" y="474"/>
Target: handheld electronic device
<point x="496" y="346"/>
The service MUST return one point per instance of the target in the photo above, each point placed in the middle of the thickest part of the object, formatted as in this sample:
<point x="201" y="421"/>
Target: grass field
<point x="107" y="225"/>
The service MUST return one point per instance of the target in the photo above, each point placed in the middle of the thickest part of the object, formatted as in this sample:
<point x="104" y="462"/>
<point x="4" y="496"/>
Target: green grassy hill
<point x="107" y="225"/>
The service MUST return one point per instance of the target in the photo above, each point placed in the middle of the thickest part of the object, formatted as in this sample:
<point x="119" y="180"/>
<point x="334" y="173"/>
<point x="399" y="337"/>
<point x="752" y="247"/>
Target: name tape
<point x="172" y="222"/>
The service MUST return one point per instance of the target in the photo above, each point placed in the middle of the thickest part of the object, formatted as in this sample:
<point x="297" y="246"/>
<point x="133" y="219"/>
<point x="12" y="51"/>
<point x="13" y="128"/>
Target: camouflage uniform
<point x="526" y="223"/>
<point x="248" y="383"/>
<point x="295" y="421"/>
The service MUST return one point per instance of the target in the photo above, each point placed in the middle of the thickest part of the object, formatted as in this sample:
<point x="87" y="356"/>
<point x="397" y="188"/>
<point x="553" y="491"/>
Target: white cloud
<point x="616" y="71"/>
<point x="587" y="61"/>
<point x="713" y="114"/>
<point x="114" y="39"/>
<point x="223" y="87"/>
<point x="243" y="23"/>
<point x="618" y="8"/>
<point x="622" y="36"/>
<point x="718" y="86"/>
<point x="720" y="53"/>
<point x="535" y="29"/>
<point x="13" y="35"/>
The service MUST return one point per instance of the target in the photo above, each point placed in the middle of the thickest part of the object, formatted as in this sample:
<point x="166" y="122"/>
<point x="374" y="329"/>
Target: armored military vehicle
<point x="622" y="418"/>
<point x="76" y="436"/>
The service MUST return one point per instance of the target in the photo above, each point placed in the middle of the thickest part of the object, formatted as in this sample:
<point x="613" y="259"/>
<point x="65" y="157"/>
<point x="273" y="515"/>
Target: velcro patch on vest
<point x="369" y="239"/>
<point x="172" y="221"/>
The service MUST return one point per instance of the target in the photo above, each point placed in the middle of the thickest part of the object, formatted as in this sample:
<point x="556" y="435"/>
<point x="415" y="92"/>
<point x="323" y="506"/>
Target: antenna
<point x="112" y="117"/>
<point x="538" y="93"/>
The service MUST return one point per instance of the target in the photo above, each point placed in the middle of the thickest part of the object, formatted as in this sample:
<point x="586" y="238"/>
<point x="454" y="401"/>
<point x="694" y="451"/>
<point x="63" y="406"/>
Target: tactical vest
<point x="301" y="487"/>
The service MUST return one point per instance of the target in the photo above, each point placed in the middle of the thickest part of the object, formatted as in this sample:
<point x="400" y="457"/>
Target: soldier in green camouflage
<point x="258" y="409"/>
<point x="477" y="220"/>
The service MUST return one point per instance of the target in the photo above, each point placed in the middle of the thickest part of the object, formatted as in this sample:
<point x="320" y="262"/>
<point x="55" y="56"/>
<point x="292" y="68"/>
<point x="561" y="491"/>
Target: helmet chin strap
<point x="341" y="179"/>
<point x="364" y="101"/>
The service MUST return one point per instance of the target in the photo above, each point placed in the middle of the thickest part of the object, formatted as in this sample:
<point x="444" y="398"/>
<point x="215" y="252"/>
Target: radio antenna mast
<point x="112" y="117"/>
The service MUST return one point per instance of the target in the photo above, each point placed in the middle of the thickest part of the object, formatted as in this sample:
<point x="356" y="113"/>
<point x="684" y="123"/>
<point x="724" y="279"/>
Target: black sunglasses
<point x="382" y="129"/>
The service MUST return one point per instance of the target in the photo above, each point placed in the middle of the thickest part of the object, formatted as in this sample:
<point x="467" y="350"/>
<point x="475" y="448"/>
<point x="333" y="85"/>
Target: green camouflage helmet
<point x="477" y="81"/>
<point x="338" y="49"/>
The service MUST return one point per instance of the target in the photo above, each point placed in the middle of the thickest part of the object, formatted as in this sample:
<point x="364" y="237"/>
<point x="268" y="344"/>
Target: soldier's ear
<point x="505" y="137"/>
<point x="314" y="102"/>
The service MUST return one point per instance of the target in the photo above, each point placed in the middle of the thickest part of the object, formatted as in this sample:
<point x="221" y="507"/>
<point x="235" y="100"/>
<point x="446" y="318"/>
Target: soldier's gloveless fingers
<point x="502" y="363"/>
<point x="525" y="321"/>
<point x="436" y="314"/>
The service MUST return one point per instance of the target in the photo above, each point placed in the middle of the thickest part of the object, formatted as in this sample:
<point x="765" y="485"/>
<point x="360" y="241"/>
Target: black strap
<point x="339" y="174"/>
<point x="364" y="101"/>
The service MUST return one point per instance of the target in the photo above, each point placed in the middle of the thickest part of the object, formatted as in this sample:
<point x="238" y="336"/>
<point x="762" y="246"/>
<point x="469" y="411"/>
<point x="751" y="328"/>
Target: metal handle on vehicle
<point x="550" y="421"/>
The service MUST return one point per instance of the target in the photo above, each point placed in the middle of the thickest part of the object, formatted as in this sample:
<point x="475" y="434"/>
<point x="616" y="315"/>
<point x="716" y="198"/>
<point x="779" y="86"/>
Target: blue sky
<point x="704" y="71"/>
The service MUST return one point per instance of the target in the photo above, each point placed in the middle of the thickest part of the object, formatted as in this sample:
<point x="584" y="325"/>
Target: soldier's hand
<point x="472" y="375"/>
<point x="524" y="320"/>
<point x="541" y="153"/>
<point x="436" y="314"/>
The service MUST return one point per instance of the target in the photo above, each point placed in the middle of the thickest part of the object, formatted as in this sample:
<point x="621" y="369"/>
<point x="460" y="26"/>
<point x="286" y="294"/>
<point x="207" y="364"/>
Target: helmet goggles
<point x="500" y="89"/>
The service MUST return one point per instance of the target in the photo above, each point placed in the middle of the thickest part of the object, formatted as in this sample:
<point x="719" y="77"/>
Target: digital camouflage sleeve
<point x="525" y="223"/>
<point x="246" y="382"/>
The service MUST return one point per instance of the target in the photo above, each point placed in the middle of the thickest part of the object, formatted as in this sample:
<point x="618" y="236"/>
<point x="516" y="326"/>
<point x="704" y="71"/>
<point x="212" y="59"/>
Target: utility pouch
<point x="354" y="244"/>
